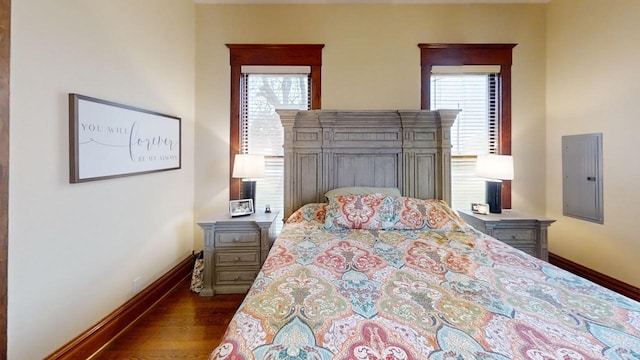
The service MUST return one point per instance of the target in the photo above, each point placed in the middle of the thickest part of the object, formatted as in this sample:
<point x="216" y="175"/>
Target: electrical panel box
<point x="582" y="177"/>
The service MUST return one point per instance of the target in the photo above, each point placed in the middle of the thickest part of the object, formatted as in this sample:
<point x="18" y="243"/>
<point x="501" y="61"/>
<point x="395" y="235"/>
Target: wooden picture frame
<point x="109" y="140"/>
<point x="241" y="207"/>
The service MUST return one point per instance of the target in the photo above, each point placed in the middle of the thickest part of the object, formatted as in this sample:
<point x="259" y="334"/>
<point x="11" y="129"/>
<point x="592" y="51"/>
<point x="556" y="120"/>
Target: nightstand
<point x="234" y="250"/>
<point x="521" y="230"/>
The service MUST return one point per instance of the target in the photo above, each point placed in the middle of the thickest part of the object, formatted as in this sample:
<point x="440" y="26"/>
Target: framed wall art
<point x="108" y="140"/>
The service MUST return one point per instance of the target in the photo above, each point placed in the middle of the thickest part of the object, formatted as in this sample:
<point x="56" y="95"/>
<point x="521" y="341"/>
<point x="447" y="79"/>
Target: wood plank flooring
<point x="183" y="325"/>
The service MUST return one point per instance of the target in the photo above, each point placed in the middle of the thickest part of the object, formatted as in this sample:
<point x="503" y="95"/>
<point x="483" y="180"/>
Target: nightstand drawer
<point x="237" y="238"/>
<point x="520" y="230"/>
<point x="515" y="235"/>
<point x="237" y="247"/>
<point x="235" y="276"/>
<point x="531" y="250"/>
<point x="236" y="258"/>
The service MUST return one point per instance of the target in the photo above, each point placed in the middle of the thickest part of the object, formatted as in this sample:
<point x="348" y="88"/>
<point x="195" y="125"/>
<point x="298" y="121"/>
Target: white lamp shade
<point x="248" y="166"/>
<point x="496" y="167"/>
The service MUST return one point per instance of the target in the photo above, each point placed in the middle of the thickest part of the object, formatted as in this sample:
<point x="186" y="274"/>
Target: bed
<point x="377" y="266"/>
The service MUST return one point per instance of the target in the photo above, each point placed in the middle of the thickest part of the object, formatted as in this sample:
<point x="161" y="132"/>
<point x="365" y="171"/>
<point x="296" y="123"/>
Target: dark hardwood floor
<point x="182" y="325"/>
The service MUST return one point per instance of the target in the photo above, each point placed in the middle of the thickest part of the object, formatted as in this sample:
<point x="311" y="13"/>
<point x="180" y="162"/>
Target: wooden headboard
<point x="327" y="149"/>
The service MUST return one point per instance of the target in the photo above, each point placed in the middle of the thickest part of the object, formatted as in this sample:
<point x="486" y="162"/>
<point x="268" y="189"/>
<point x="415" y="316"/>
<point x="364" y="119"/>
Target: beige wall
<point x="74" y="249"/>
<point x="370" y="61"/>
<point x="593" y="87"/>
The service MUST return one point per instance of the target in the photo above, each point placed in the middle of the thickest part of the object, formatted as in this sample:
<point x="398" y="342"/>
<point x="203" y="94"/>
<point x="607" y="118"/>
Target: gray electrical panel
<point x="582" y="177"/>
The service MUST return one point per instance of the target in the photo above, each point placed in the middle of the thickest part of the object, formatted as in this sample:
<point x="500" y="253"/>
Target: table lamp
<point x="248" y="167"/>
<point x="494" y="168"/>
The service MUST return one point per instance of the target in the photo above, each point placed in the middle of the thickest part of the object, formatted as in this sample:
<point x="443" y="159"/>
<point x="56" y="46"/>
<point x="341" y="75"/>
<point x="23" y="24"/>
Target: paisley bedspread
<point x="435" y="289"/>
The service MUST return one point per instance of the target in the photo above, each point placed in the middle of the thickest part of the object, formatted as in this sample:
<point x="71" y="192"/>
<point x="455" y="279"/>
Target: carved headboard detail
<point x="326" y="149"/>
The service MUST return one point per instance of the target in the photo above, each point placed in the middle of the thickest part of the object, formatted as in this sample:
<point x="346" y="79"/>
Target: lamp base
<point x="494" y="196"/>
<point x="249" y="191"/>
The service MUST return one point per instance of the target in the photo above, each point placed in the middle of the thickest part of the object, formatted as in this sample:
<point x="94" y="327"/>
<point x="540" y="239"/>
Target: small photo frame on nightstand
<point x="480" y="208"/>
<point x="241" y="207"/>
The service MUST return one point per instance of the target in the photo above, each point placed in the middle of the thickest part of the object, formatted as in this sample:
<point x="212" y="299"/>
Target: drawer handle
<point x="514" y="237"/>
<point x="235" y="239"/>
<point x="236" y="278"/>
<point x="236" y="259"/>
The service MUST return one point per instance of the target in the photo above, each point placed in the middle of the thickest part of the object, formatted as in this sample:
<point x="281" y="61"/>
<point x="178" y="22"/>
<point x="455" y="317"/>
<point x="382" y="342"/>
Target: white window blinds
<point x="475" y="132"/>
<point x="265" y="89"/>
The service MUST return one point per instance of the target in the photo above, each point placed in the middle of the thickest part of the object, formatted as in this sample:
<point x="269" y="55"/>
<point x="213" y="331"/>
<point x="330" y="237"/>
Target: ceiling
<point x="369" y="1"/>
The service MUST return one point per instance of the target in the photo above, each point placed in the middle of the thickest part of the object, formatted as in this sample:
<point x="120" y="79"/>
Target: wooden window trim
<point x="474" y="54"/>
<point x="266" y="54"/>
<point x="5" y="52"/>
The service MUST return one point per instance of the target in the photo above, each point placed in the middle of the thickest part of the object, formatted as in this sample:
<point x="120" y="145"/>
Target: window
<point x="473" y="90"/>
<point x="263" y="91"/>
<point x="263" y="78"/>
<point x="436" y="57"/>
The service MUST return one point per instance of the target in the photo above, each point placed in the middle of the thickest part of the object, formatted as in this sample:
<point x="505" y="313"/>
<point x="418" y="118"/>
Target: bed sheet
<point x="421" y="294"/>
